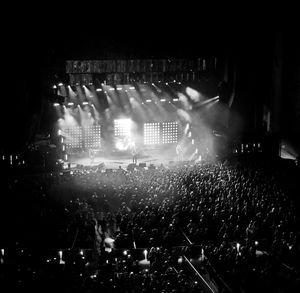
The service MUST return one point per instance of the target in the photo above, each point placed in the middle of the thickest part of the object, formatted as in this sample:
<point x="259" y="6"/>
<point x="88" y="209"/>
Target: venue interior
<point x="147" y="163"/>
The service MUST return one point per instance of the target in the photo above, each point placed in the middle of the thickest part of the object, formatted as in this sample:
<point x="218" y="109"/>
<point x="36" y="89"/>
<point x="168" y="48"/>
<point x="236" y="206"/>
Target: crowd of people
<point x="238" y="220"/>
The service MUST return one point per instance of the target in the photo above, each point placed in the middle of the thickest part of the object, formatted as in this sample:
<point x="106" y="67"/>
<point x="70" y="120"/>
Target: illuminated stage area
<point x="123" y="159"/>
<point x="150" y="123"/>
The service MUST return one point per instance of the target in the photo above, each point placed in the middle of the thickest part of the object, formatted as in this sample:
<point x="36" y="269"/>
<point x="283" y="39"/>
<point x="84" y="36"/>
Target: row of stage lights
<point x="71" y="104"/>
<point x="119" y="88"/>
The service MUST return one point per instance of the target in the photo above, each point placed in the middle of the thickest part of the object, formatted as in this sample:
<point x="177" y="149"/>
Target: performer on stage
<point x="92" y="155"/>
<point x="133" y="152"/>
<point x="179" y="153"/>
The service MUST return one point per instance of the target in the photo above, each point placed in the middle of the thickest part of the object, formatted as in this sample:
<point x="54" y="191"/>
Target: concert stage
<point x="123" y="159"/>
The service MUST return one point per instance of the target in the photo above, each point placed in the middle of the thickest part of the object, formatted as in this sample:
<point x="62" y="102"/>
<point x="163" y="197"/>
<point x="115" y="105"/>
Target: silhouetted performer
<point x="134" y="153"/>
<point x="179" y="153"/>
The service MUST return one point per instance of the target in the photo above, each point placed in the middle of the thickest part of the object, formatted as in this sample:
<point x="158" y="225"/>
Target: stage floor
<point x="114" y="160"/>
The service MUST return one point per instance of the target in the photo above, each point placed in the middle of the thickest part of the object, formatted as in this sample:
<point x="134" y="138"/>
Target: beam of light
<point x="86" y="117"/>
<point x="210" y="100"/>
<point x="193" y="94"/>
<point x="184" y="115"/>
<point x="56" y="104"/>
<point x="81" y="93"/>
<point x="88" y="93"/>
<point x="184" y="100"/>
<point x="186" y="129"/>
<point x="138" y="108"/>
<point x="96" y="113"/>
<point x="209" y="105"/>
<point x="72" y="94"/>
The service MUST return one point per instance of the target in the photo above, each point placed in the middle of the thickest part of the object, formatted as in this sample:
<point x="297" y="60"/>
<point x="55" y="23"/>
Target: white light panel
<point x="122" y="127"/>
<point x="87" y="137"/>
<point x="151" y="133"/>
<point x="169" y="132"/>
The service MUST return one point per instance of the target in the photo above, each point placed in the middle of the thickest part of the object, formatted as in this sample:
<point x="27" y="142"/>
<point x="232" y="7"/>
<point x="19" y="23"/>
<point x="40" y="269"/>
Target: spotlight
<point x="85" y="103"/>
<point x="98" y="90"/>
<point x="60" y="84"/>
<point x="56" y="104"/>
<point x="148" y="101"/>
<point x="111" y="89"/>
<point x="119" y="88"/>
<point x="132" y="88"/>
<point x="162" y="100"/>
<point x="175" y="100"/>
<point x="55" y="87"/>
<point x="70" y="104"/>
<point x="167" y="83"/>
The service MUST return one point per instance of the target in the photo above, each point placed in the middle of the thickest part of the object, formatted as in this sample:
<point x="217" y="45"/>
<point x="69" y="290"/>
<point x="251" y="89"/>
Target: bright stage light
<point x="119" y="88"/>
<point x="111" y="89"/>
<point x="85" y="103"/>
<point x="175" y="100"/>
<point x="98" y="90"/>
<point x="122" y="127"/>
<point x="56" y="104"/>
<point x="54" y="87"/>
<point x="162" y="100"/>
<point x="121" y="146"/>
<point x="148" y="101"/>
<point x="70" y="104"/>
<point x="60" y="84"/>
<point x="193" y="94"/>
<point x="132" y="88"/>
